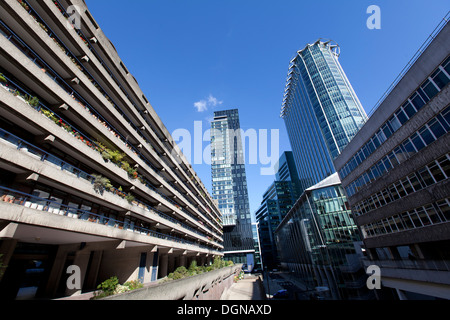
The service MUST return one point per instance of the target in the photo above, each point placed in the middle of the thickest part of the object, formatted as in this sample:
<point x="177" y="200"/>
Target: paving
<point x="249" y="288"/>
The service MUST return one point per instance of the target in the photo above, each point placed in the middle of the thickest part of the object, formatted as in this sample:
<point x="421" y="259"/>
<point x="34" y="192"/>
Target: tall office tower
<point x="321" y="111"/>
<point x="322" y="114"/>
<point x="277" y="202"/>
<point x="89" y="175"/>
<point x="229" y="186"/>
<point x="396" y="173"/>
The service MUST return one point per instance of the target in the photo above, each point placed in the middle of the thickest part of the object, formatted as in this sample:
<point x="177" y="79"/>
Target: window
<point x="415" y="183"/>
<point x="409" y="109"/>
<point x="415" y="219"/>
<point x="387" y="130"/>
<point x="444" y="162"/>
<point x="423" y="216"/>
<point x="432" y="214"/>
<point x="444" y="208"/>
<point x="427" y="136"/>
<point x="417" y="101"/>
<point x="393" y="159"/>
<point x="440" y="78"/>
<point x="407" y="220"/>
<point x="418" y="143"/>
<point x="409" y="148"/>
<point x="430" y="89"/>
<point x="394" y="192"/>
<point x="437" y="172"/>
<point x="426" y="177"/>
<point x="407" y="186"/>
<point x="400" y="189"/>
<point x="401" y="116"/>
<point x="399" y="222"/>
<point x="395" y="124"/>
<point x="446" y="65"/>
<point x="437" y="129"/>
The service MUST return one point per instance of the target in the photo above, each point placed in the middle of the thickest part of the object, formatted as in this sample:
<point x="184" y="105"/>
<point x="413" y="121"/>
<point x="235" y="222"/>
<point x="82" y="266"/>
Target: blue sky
<point x="223" y="54"/>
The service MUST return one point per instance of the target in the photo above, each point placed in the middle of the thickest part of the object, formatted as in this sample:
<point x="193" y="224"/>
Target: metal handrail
<point x="27" y="200"/>
<point x="45" y="156"/>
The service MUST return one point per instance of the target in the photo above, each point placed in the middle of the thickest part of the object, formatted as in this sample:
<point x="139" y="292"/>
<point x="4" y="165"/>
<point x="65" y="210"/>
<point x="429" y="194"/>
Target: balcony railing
<point x="45" y="205"/>
<point x="61" y="82"/>
<point x="17" y="90"/>
<point x="431" y="265"/>
<point x="95" y="53"/>
<point x="45" y="156"/>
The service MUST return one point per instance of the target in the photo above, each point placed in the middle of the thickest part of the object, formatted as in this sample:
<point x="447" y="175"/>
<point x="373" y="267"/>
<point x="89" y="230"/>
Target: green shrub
<point x="101" y="183"/>
<point x="133" y="285"/>
<point x="107" y="287"/>
<point x="33" y="101"/>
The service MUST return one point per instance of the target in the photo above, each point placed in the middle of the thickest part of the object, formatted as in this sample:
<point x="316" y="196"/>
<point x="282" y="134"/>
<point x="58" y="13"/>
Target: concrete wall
<point x="207" y="286"/>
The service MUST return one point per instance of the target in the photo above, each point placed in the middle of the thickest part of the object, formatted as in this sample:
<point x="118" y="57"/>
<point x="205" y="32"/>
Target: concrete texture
<point x="207" y="286"/>
<point x="249" y="288"/>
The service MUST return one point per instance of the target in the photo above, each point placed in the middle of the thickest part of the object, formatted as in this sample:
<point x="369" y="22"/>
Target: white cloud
<point x="204" y="104"/>
<point x="201" y="106"/>
<point x="213" y="101"/>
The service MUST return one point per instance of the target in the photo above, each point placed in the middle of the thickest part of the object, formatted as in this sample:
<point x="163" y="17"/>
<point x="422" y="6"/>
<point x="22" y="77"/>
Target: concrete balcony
<point x="429" y="277"/>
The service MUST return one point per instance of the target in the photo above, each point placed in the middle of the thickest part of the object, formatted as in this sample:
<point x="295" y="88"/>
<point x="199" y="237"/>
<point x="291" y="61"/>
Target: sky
<point x="194" y="57"/>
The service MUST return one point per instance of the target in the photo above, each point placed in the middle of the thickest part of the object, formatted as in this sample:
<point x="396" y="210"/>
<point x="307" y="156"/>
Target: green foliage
<point x="194" y="269"/>
<point x="107" y="287"/>
<point x="111" y="286"/>
<point x="130" y="198"/>
<point x="133" y="285"/>
<point x="101" y="183"/>
<point x="2" y="78"/>
<point x="33" y="101"/>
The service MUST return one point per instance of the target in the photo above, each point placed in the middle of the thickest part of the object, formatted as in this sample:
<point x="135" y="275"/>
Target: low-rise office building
<point x="89" y="175"/>
<point x="319" y="242"/>
<point x="396" y="175"/>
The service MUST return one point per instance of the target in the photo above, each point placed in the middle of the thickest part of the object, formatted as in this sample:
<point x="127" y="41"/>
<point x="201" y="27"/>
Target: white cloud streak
<point x="204" y="104"/>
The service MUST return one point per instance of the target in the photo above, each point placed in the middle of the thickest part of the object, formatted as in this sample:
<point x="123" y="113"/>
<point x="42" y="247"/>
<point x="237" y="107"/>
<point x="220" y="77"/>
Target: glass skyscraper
<point x="229" y="186"/>
<point x="321" y="110"/>
<point x="277" y="201"/>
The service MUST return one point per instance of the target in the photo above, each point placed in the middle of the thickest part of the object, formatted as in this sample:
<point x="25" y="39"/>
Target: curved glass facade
<point x="317" y="238"/>
<point x="321" y="111"/>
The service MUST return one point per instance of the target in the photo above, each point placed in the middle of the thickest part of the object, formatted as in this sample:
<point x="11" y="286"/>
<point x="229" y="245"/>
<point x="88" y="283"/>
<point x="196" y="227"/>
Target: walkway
<point x="249" y="288"/>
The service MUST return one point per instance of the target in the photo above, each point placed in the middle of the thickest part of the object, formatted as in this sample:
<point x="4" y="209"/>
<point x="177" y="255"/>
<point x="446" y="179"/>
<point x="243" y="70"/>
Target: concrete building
<point x="89" y="175"/>
<point x="229" y="186"/>
<point x="396" y="174"/>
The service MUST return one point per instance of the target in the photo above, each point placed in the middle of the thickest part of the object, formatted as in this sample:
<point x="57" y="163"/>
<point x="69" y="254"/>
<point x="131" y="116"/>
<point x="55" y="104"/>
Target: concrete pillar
<point x="7" y="248"/>
<point x="171" y="263"/>
<point x="163" y="265"/>
<point x="57" y="271"/>
<point x="82" y="261"/>
<point x="182" y="261"/>
<point x="202" y="260"/>
<point x="92" y="273"/>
